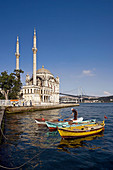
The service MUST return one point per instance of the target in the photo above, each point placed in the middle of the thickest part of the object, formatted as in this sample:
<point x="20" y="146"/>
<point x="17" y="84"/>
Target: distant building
<point x="42" y="87"/>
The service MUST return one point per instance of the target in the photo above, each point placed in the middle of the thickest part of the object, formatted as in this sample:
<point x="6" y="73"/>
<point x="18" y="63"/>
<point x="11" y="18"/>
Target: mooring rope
<point x="29" y="159"/>
<point x="3" y="134"/>
<point x="27" y="148"/>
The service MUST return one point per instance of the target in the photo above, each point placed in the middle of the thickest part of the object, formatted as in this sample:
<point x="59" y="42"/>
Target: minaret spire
<point x="17" y="54"/>
<point x="34" y="57"/>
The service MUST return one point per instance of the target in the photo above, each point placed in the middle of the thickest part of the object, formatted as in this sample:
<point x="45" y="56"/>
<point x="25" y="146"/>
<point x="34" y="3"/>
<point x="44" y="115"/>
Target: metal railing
<point x="11" y="103"/>
<point x="23" y="103"/>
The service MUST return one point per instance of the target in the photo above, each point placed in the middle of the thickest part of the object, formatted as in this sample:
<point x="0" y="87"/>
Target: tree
<point x="17" y="73"/>
<point x="1" y="96"/>
<point x="10" y="84"/>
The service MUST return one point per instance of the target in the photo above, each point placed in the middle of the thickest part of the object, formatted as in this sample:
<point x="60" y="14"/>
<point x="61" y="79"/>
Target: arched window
<point x="28" y="91"/>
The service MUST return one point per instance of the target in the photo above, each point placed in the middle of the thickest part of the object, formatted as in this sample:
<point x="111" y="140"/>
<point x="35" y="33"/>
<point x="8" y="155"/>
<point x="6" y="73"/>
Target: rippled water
<point x="29" y="146"/>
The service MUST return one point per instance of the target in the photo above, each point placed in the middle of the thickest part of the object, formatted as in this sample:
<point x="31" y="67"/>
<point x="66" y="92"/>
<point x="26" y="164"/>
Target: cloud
<point x="87" y="73"/>
<point x="107" y="93"/>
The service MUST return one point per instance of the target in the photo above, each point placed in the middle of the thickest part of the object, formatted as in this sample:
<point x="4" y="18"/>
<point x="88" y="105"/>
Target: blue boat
<point x="54" y="125"/>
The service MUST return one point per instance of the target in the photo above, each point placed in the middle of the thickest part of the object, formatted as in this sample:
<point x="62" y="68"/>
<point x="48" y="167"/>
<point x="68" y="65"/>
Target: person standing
<point x="74" y="111"/>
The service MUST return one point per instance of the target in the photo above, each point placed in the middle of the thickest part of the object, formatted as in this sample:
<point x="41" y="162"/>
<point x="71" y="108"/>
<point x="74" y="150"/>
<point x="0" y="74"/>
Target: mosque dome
<point x="43" y="71"/>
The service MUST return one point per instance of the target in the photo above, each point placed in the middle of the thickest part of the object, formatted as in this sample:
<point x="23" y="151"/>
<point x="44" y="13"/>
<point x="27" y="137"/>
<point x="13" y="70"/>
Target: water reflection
<point x="48" y="114"/>
<point x="21" y="130"/>
<point x="65" y="144"/>
<point x="45" y="138"/>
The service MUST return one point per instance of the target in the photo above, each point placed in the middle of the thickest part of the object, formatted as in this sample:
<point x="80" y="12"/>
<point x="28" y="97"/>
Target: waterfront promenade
<point x="37" y="108"/>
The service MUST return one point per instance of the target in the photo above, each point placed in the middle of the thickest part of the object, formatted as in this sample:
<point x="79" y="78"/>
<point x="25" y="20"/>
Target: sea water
<point x="27" y="145"/>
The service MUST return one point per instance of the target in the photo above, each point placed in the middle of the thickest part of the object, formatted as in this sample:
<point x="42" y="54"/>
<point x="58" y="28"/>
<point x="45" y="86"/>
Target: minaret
<point x="17" y="54"/>
<point x="34" y="57"/>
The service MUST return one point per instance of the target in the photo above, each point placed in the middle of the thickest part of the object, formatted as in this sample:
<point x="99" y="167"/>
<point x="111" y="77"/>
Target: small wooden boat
<point x="78" y="120"/>
<point x="85" y="122"/>
<point x="81" y="131"/>
<point x="41" y="121"/>
<point x="54" y="125"/>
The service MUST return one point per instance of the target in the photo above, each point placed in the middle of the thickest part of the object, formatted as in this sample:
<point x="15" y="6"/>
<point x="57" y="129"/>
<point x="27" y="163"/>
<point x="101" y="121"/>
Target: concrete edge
<point x="37" y="108"/>
<point x="2" y="110"/>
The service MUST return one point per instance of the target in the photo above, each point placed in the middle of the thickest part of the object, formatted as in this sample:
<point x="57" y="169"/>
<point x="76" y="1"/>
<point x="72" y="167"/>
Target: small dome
<point x="42" y="71"/>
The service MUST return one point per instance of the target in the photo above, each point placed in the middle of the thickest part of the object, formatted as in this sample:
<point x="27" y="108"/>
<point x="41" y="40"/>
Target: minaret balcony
<point x="34" y="49"/>
<point x="17" y="54"/>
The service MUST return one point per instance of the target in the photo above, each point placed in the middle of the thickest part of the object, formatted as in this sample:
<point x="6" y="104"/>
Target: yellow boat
<point x="81" y="131"/>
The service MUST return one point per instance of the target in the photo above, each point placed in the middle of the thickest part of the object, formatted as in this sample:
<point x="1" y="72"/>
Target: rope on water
<point x="29" y="159"/>
<point x="3" y="134"/>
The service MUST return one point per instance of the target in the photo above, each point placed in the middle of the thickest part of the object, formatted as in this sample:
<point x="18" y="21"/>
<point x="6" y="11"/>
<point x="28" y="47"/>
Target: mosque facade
<point x="42" y="87"/>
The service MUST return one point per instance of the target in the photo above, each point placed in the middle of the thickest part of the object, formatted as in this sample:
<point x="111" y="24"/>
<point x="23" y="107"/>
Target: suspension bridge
<point x="75" y="95"/>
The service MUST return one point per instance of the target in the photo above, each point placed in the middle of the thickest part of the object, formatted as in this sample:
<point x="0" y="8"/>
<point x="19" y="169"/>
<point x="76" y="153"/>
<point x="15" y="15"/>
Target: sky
<point x="74" y="41"/>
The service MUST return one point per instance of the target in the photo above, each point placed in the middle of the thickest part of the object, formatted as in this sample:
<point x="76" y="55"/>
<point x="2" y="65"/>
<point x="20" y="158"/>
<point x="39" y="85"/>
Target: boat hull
<point x="54" y="125"/>
<point x="42" y="121"/>
<point x="73" y="132"/>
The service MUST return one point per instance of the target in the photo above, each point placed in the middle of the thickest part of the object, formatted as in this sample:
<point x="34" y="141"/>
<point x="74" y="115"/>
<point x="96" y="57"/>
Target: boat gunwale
<point x="56" y="123"/>
<point x="73" y="123"/>
<point x="81" y="131"/>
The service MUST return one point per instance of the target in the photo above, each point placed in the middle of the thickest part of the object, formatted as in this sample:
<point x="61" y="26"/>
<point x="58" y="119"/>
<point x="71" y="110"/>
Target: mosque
<point x="42" y="87"/>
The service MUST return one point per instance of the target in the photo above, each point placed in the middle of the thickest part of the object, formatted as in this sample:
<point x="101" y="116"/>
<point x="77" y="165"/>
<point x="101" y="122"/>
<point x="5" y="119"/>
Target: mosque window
<point x="54" y="88"/>
<point x="41" y="98"/>
<point x="28" y="91"/>
<point x="25" y="91"/>
<point x="31" y="90"/>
